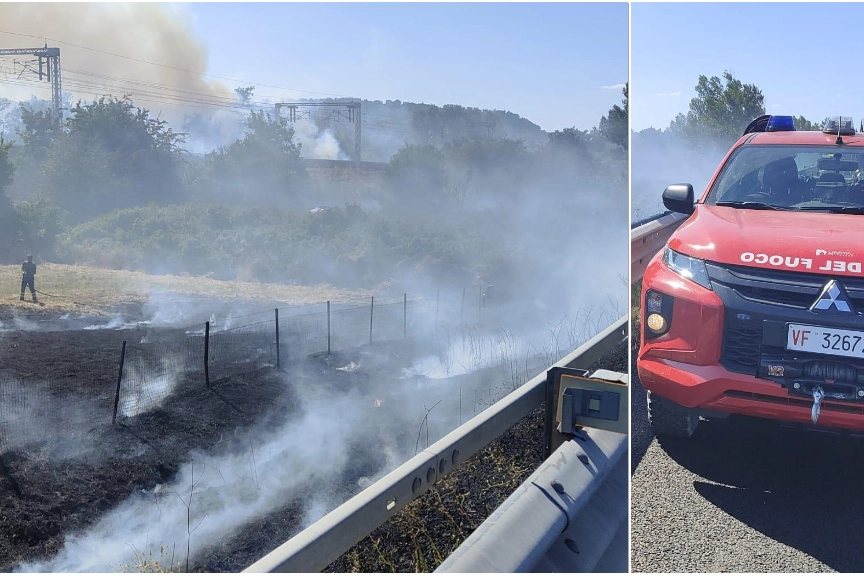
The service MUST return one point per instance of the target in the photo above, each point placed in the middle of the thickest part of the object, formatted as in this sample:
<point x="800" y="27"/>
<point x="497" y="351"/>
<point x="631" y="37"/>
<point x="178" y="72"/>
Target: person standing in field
<point x="28" y="277"/>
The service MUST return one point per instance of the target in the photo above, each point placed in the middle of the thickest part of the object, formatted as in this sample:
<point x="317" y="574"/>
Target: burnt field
<point x="65" y="480"/>
<point x="214" y="476"/>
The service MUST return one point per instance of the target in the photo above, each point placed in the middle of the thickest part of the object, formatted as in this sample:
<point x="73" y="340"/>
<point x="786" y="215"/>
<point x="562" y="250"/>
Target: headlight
<point x="690" y="268"/>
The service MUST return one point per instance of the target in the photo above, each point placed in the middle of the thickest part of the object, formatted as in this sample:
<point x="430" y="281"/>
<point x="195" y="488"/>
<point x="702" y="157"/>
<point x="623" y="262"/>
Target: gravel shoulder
<point x="745" y="495"/>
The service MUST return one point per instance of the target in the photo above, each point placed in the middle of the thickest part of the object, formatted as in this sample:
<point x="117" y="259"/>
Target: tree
<point x="568" y="139"/>
<point x="417" y="177"/>
<point x="616" y="127"/>
<point x="111" y="155"/>
<point x="40" y="223"/>
<point x="264" y="165"/>
<point x="720" y="111"/>
<point x="8" y="215"/>
<point x="39" y="130"/>
<point x="801" y="123"/>
<point x="7" y="169"/>
<point x="487" y="165"/>
<point x="428" y="122"/>
<point x="244" y="94"/>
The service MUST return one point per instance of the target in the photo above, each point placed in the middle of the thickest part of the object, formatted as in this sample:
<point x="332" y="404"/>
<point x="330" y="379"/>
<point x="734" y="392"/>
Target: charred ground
<point x="424" y="533"/>
<point x="73" y="476"/>
<point x="65" y="483"/>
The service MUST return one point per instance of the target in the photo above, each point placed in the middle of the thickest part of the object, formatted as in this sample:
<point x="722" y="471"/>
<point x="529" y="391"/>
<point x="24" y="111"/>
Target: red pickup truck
<point x="756" y="304"/>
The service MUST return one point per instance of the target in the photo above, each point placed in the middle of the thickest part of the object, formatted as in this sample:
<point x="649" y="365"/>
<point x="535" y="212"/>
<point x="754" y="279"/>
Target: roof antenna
<point x="839" y="140"/>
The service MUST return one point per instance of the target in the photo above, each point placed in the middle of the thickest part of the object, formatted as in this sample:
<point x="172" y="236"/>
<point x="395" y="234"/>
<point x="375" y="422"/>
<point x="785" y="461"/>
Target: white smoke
<point x="317" y="143"/>
<point x="661" y="158"/>
<point x="114" y="323"/>
<point x="146" y="388"/>
<point x="227" y="491"/>
<point x="26" y="325"/>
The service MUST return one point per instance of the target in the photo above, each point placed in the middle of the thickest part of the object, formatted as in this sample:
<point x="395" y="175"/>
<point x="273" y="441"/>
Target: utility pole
<point x="49" y="69"/>
<point x="345" y="110"/>
<point x="358" y="123"/>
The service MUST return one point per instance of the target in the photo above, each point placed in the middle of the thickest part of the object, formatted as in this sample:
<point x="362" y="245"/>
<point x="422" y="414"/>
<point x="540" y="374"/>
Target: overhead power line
<point x="167" y="66"/>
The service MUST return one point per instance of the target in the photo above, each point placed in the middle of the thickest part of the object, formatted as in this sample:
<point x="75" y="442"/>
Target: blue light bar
<point x="780" y="124"/>
<point x="766" y="123"/>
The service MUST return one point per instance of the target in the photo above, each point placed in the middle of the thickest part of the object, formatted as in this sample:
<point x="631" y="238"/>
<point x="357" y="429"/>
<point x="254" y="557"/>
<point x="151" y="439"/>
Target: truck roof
<point x="801" y="138"/>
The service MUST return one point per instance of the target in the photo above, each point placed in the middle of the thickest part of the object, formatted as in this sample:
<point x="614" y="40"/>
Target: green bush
<point x="345" y="246"/>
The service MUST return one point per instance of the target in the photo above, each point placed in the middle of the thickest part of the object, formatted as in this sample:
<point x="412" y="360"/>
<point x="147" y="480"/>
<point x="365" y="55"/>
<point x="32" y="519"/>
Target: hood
<point x="814" y="242"/>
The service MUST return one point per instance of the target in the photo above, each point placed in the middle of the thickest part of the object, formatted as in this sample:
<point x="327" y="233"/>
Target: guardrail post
<point x="549" y="421"/>
<point x="328" y="327"/>
<point x="207" y="353"/>
<point x="371" y="313"/>
<point x="278" y="359"/>
<point x="119" y="380"/>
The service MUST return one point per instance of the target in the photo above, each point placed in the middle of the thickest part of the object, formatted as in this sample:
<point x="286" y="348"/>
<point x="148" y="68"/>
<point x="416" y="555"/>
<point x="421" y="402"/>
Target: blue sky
<point x="546" y="62"/>
<point x="786" y="49"/>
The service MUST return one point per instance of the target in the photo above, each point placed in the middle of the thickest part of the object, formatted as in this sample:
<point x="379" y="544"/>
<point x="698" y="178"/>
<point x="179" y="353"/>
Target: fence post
<point x="404" y="314"/>
<point x="278" y="359"/>
<point x="119" y="380"/>
<point x="328" y="327"/>
<point x="207" y="353"/>
<point x="371" y="313"/>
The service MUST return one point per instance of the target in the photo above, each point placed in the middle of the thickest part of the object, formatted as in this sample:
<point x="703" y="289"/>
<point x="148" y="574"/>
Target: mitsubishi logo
<point x="832" y="296"/>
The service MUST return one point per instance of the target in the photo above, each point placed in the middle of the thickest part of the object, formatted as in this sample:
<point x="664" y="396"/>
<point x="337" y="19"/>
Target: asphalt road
<point x="745" y="495"/>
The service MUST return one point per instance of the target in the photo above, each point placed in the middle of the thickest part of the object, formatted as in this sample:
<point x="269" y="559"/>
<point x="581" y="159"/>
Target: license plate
<point x="819" y="340"/>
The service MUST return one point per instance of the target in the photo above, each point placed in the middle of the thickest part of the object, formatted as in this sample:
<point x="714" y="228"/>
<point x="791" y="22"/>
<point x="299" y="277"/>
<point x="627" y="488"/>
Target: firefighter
<point x="28" y="277"/>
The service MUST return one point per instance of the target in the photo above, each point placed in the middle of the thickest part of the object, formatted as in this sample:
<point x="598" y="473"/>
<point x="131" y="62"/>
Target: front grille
<point x="758" y="304"/>
<point x="740" y="346"/>
<point x="782" y="288"/>
<point x="803" y="299"/>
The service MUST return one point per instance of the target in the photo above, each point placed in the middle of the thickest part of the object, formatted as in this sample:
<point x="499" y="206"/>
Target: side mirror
<point x="679" y="198"/>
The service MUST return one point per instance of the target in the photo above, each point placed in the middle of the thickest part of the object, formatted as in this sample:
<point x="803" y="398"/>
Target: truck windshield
<point x="812" y="178"/>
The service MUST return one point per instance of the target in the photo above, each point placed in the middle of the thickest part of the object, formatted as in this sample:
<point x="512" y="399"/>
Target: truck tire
<point x="670" y="419"/>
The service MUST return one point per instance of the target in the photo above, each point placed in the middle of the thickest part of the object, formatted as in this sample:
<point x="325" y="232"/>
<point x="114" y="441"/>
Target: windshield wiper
<point x="748" y="205"/>
<point x="858" y="209"/>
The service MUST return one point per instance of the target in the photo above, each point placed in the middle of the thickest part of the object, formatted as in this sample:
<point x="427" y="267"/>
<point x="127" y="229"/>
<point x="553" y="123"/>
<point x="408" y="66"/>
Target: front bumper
<point x="726" y="353"/>
<point x="712" y="388"/>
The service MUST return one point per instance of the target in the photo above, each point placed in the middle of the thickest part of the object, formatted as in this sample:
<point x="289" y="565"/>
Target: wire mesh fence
<point x="65" y="406"/>
<point x="71" y="396"/>
<point x="241" y="350"/>
<point x="153" y="371"/>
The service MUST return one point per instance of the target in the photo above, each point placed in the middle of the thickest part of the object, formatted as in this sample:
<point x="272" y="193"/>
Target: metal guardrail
<point x="648" y="239"/>
<point x="564" y="518"/>
<point x="320" y="544"/>
<point x="648" y="219"/>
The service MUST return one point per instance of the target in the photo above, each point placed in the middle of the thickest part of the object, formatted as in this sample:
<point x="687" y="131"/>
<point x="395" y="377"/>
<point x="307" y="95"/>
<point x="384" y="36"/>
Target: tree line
<point x="112" y="169"/>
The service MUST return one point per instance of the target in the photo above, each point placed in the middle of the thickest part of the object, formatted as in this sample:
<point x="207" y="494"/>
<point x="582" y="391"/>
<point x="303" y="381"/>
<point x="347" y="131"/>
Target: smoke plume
<point x="155" y="33"/>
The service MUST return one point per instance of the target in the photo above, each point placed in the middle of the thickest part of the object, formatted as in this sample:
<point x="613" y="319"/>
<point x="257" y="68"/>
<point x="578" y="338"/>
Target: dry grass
<point x="88" y="289"/>
<point x="426" y="531"/>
